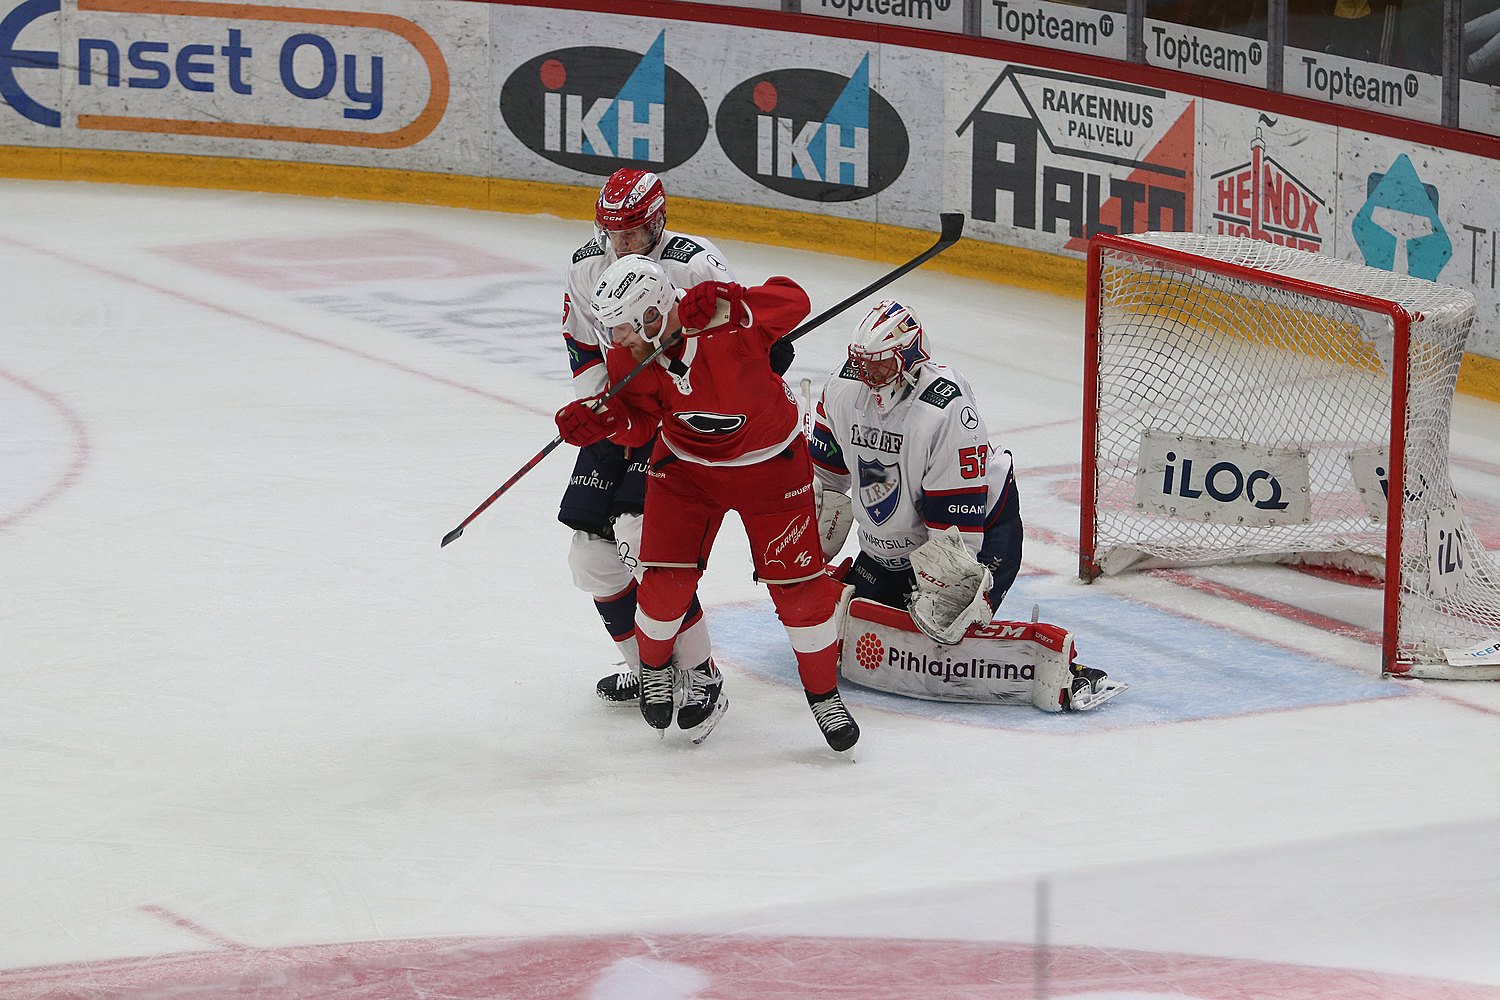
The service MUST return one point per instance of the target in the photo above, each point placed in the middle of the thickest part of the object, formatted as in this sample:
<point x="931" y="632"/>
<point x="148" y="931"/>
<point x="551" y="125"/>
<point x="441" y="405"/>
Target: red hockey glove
<point x="698" y="307"/>
<point x="580" y="424"/>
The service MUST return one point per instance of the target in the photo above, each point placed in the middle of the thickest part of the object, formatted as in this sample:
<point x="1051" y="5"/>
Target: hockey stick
<point x="951" y="228"/>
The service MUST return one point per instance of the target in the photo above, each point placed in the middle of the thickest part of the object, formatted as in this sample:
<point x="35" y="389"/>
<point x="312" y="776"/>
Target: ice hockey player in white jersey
<point x="606" y="493"/>
<point x="935" y="506"/>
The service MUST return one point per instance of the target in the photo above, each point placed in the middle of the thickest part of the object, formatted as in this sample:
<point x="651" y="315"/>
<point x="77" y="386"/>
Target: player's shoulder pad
<point x="681" y="249"/>
<point x="589" y="249"/>
<point x="940" y="392"/>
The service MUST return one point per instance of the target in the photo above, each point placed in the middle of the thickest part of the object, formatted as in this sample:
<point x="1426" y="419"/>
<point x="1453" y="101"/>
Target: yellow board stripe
<point x="1032" y="269"/>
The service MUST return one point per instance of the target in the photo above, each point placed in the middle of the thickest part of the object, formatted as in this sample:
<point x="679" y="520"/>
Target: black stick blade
<point x="450" y="536"/>
<point x="951" y="227"/>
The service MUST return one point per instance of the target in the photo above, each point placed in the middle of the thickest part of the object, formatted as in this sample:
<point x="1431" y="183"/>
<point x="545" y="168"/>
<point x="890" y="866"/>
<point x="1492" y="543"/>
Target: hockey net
<point x="1249" y="402"/>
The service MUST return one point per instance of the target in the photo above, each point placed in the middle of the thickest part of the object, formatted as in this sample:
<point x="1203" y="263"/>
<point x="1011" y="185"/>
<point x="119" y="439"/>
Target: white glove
<point x="951" y="585"/>
<point x="835" y="515"/>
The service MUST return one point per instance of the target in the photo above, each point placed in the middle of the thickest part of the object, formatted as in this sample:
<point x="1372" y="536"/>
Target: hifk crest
<point x="879" y="489"/>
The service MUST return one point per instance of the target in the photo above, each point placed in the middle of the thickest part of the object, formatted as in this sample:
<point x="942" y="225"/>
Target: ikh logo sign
<point x="814" y="135"/>
<point x="230" y="71"/>
<point x="1260" y="199"/>
<point x="597" y="109"/>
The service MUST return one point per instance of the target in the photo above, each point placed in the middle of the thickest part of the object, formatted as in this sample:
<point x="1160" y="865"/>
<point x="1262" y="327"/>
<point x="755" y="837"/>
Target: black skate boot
<point x="656" y="695"/>
<point x="1090" y="688"/>
<point x="703" y="701"/>
<point x="839" y="727"/>
<point x="621" y="688"/>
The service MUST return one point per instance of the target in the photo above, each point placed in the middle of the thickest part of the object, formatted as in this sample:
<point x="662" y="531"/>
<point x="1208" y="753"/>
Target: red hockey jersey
<point x="717" y="400"/>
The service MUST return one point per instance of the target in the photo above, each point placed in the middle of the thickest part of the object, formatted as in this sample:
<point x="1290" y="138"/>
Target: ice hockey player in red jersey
<point x="731" y="439"/>
<point x="605" y="493"/>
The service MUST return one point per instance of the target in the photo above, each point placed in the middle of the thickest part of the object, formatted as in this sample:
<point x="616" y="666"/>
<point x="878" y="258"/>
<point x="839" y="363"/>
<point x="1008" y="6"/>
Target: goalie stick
<point x="951" y="227"/>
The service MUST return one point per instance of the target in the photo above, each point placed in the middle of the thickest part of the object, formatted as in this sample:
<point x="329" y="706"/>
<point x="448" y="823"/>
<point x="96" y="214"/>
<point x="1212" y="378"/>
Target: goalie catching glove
<point x="835" y="515"/>
<point x="951" y="587"/>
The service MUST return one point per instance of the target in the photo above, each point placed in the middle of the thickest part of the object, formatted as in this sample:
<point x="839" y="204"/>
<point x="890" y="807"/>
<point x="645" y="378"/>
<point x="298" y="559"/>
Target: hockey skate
<point x="656" y="699"/>
<point x="1091" y="688"/>
<point x="703" y="700"/>
<point x="620" y="688"/>
<point x="839" y="727"/>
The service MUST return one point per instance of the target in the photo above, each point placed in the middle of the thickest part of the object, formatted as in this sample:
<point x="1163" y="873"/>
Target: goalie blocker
<point x="1003" y="663"/>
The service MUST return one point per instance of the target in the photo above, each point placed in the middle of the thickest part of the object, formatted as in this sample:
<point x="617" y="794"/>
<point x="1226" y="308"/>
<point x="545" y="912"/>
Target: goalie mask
<point x="635" y="291"/>
<point x="887" y="348"/>
<point x="631" y="212"/>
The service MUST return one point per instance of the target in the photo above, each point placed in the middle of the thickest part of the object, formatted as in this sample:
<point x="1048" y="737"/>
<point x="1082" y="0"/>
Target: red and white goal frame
<point x="1249" y="402"/>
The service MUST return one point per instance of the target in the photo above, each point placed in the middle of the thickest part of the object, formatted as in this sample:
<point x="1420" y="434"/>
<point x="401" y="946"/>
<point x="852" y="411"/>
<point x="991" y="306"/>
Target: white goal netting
<point x="1239" y="407"/>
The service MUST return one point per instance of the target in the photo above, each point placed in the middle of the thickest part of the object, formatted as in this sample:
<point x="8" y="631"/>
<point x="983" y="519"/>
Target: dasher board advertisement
<point x="317" y="82"/>
<point x="1355" y="83"/>
<point x="1056" y="26"/>
<point x="1044" y="159"/>
<point x="937" y="15"/>
<point x="724" y="113"/>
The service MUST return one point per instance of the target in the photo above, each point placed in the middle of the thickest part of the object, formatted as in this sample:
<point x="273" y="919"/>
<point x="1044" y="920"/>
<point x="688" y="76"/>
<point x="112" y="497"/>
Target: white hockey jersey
<point x="924" y="464"/>
<point x="688" y="260"/>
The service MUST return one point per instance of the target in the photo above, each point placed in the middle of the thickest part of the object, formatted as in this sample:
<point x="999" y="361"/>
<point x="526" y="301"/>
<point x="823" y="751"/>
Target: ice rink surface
<point x="261" y="737"/>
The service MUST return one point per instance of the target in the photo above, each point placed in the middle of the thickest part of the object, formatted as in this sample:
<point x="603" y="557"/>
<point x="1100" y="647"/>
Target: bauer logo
<point x="1261" y="199"/>
<point x="814" y="135"/>
<point x="599" y="109"/>
<point x="1222" y="481"/>
<point x="235" y="71"/>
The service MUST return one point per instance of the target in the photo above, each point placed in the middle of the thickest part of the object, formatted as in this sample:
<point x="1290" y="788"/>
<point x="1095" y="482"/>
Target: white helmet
<point x="888" y="344"/>
<point x="635" y="290"/>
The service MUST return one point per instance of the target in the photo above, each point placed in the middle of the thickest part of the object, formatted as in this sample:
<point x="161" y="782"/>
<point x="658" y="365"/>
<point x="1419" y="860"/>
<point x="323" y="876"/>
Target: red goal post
<point x="1247" y="402"/>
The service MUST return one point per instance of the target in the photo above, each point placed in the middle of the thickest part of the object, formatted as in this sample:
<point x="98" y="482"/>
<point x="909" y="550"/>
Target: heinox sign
<point x="598" y="109"/>
<point x="1262" y="199"/>
<point x="812" y="134"/>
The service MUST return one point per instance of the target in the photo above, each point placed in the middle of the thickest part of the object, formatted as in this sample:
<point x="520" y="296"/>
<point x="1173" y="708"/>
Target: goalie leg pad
<point x="835" y="515"/>
<point x="1053" y="685"/>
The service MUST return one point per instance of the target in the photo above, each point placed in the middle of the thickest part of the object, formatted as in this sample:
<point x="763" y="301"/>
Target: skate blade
<point x="1096" y="698"/>
<point x="701" y="731"/>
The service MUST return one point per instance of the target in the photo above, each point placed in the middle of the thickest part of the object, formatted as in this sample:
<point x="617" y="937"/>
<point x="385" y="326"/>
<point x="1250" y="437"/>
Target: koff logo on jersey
<point x="598" y="109"/>
<point x="814" y="135"/>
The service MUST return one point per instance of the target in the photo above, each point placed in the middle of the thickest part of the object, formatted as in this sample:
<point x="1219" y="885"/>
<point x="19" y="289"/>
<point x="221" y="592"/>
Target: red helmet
<point x="631" y="200"/>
